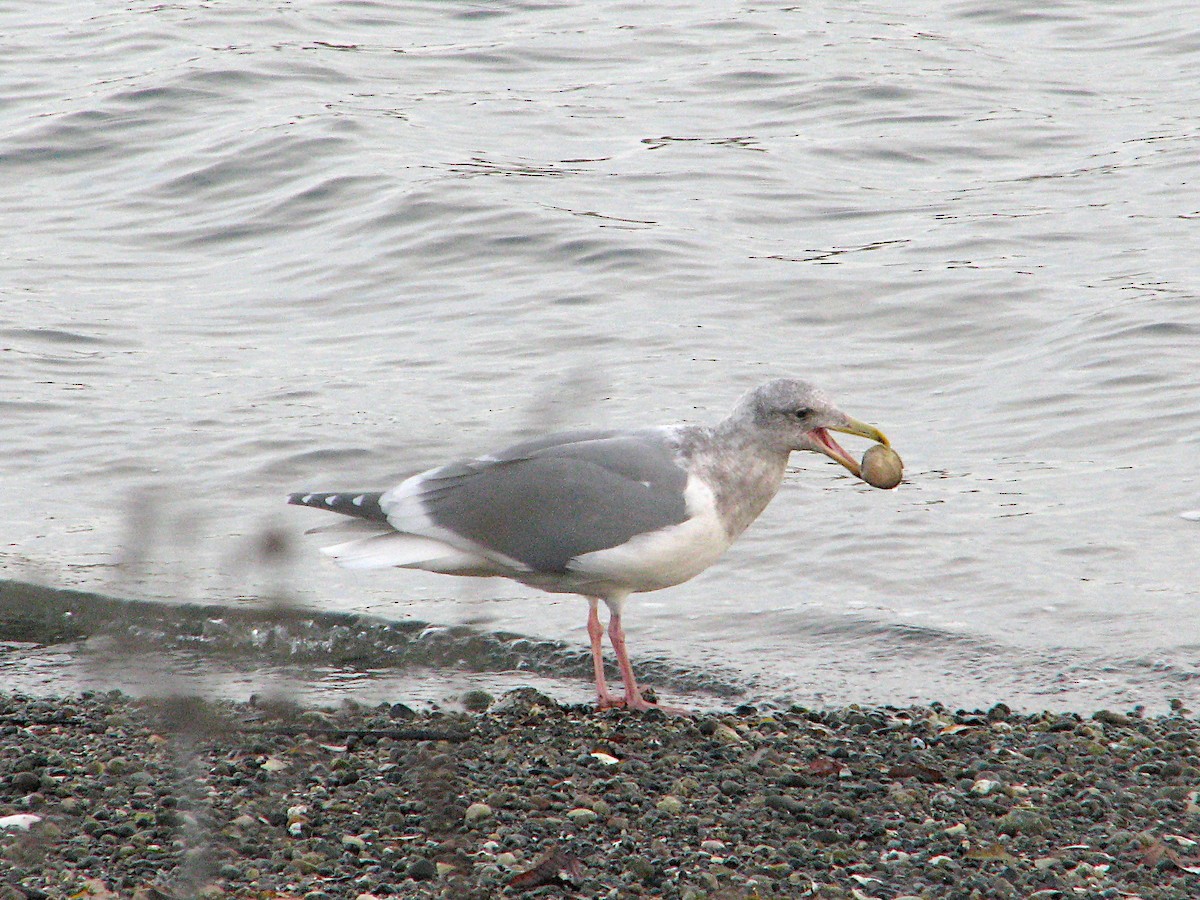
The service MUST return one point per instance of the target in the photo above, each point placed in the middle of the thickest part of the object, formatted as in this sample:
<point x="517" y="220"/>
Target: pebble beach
<point x="106" y="796"/>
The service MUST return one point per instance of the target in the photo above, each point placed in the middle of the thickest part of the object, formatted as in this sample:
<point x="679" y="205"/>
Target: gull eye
<point x="803" y="412"/>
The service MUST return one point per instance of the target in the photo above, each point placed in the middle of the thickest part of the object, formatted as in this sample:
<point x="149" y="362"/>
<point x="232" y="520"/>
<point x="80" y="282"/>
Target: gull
<point x="599" y="513"/>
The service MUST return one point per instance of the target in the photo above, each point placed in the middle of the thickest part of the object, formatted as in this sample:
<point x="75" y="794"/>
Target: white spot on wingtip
<point x="306" y="498"/>
<point x="332" y="499"/>
<point x="358" y="501"/>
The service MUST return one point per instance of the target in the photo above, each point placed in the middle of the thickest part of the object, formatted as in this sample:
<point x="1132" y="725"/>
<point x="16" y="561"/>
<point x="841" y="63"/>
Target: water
<point x="321" y="246"/>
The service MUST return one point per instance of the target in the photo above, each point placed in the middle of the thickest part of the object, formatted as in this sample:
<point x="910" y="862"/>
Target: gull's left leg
<point x="616" y="635"/>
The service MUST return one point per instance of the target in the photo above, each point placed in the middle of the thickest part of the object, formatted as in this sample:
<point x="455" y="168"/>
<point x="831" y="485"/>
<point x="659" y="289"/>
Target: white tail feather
<point x="348" y="527"/>
<point x="408" y="551"/>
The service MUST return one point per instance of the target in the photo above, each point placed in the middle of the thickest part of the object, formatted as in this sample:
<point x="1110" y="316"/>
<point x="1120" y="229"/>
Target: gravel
<point x="105" y="796"/>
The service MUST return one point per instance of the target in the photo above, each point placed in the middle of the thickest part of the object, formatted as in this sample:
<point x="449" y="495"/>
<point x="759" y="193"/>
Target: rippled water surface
<point x="252" y="249"/>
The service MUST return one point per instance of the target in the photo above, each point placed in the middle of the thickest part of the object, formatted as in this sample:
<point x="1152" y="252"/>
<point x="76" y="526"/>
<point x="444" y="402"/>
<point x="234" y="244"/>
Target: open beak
<point x="833" y="449"/>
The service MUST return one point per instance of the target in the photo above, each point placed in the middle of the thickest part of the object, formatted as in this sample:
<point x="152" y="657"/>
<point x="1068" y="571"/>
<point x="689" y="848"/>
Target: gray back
<point x="546" y="501"/>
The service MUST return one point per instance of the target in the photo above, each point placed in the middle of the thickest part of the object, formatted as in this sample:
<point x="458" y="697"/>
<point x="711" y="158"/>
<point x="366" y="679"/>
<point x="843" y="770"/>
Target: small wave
<point x="278" y="634"/>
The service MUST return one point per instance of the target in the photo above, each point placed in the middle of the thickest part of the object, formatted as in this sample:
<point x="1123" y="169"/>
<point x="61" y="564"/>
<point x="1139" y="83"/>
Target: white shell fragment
<point x="20" y="820"/>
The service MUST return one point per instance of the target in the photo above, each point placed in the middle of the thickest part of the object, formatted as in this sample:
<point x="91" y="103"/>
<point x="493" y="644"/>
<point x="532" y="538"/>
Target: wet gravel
<point x="106" y="796"/>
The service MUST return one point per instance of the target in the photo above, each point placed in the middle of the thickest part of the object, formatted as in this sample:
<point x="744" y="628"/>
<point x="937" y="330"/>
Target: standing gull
<point x="603" y="514"/>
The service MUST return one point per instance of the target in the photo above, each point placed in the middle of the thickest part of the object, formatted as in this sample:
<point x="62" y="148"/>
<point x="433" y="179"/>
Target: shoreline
<point x="180" y="797"/>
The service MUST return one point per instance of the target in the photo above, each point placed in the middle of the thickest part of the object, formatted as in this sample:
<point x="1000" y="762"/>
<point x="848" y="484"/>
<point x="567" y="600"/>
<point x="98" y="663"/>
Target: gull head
<point x="788" y="414"/>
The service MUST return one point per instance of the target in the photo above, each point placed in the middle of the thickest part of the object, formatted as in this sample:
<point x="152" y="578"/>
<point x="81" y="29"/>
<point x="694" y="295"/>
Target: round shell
<point x="882" y="467"/>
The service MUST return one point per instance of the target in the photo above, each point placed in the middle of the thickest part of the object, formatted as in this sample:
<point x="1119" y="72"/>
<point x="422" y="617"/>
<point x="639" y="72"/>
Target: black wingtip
<point x="359" y="504"/>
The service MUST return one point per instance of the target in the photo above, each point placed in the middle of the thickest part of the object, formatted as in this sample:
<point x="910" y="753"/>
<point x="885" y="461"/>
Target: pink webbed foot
<point x="638" y="704"/>
<point x="641" y="704"/>
<point x="605" y="699"/>
<point x="633" y="694"/>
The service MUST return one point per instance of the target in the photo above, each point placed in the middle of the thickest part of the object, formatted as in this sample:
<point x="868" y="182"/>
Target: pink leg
<point x="633" y="695"/>
<point x="604" y="698"/>
<point x="616" y="636"/>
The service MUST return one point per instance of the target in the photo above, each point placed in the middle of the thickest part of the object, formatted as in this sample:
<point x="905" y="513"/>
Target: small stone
<point x="984" y="786"/>
<point x="26" y="782"/>
<point x="785" y="804"/>
<point x="50" y="832"/>
<point x="582" y="815"/>
<point x="444" y="869"/>
<point x="477" y="812"/>
<point x="999" y="713"/>
<point x="943" y="800"/>
<point x="297" y="814"/>
<point x="421" y="869"/>
<point x="402" y="711"/>
<point x="725" y="734"/>
<point x="308" y="862"/>
<point x="353" y="843"/>
<point x="712" y="846"/>
<point x="1023" y="821"/>
<point x="640" y="868"/>
<point x="672" y="806"/>
<point x="476" y="701"/>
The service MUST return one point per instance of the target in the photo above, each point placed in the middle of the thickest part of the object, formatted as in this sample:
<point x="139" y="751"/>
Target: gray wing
<point x="547" y="501"/>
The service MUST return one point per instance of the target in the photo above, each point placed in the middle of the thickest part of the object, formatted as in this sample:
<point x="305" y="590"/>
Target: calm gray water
<point x="253" y="249"/>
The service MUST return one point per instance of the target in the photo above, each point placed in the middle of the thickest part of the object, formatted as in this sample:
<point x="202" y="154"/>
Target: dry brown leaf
<point x="94" y="889"/>
<point x="824" y="767"/>
<point x="991" y="853"/>
<point x="1158" y="851"/>
<point x="918" y="771"/>
<point x="549" y="869"/>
